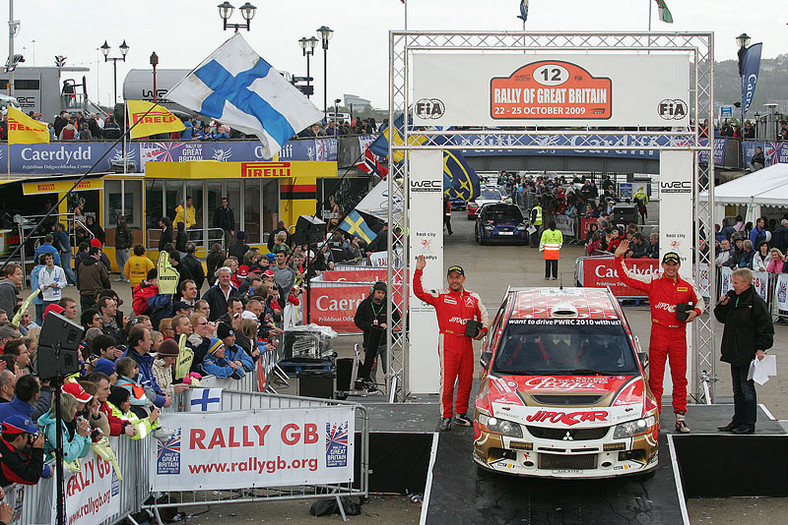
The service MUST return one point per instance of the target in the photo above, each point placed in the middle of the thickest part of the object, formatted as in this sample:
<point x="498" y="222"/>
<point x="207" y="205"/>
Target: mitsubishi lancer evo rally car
<point x="563" y="391"/>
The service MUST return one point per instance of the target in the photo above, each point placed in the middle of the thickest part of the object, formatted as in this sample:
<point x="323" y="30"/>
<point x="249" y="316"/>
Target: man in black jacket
<point x="218" y="294"/>
<point x="191" y="267"/>
<point x="224" y="218"/>
<point x="371" y="319"/>
<point x="747" y="335"/>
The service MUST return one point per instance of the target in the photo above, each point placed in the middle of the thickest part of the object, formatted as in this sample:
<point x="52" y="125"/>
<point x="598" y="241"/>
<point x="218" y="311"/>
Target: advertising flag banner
<point x="25" y="130"/>
<point x="150" y="119"/>
<point x="255" y="448"/>
<point x="675" y="206"/>
<point x="781" y="292"/>
<point x="750" y="67"/>
<point x="92" y="494"/>
<point x="760" y="281"/>
<point x="551" y="90"/>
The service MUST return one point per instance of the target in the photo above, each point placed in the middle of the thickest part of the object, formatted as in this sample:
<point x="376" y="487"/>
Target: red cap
<point x="268" y="273"/>
<point x="76" y="390"/>
<point x="95" y="242"/>
<point x="243" y="270"/>
<point x="54" y="307"/>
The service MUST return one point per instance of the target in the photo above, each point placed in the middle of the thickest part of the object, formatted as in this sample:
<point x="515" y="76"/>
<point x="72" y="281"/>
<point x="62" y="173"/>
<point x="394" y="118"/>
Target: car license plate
<point x="505" y="233"/>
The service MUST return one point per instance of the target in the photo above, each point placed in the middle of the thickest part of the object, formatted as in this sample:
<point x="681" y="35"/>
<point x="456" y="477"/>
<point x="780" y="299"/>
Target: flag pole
<point x="650" y="2"/>
<point x="406" y="14"/>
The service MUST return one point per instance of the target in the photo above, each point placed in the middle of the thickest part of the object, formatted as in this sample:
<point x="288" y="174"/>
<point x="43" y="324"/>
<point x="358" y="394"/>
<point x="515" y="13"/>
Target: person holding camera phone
<point x="22" y="449"/>
<point x="461" y="318"/>
<point x="674" y="302"/>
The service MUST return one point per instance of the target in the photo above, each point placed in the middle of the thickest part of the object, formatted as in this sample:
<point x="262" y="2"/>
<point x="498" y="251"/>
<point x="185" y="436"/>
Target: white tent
<point x="765" y="187"/>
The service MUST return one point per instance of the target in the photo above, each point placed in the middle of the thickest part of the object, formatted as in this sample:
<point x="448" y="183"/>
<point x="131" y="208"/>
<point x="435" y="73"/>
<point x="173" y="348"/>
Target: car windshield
<point x="490" y="195"/>
<point x="565" y="347"/>
<point x="502" y="213"/>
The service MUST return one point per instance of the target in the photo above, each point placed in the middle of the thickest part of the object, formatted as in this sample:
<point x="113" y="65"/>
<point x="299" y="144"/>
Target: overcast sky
<point x="184" y="32"/>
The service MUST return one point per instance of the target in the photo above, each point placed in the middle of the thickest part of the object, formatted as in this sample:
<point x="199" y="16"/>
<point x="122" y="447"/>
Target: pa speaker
<point x="57" y="347"/>
<point x="309" y="230"/>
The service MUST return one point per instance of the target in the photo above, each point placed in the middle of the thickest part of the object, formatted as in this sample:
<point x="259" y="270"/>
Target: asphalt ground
<point x="490" y="270"/>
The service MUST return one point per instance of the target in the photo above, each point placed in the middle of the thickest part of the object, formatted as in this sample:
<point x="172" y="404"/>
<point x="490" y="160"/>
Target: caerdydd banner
<point x="255" y="448"/>
<point x="553" y="90"/>
<point x="93" y="493"/>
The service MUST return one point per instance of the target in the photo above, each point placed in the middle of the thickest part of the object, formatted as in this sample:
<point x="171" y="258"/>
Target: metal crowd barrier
<point x="233" y="400"/>
<point x="134" y="460"/>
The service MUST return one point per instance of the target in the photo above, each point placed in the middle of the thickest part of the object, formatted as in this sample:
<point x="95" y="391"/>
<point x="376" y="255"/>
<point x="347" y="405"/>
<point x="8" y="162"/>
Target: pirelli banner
<point x="206" y="169"/>
<point x="552" y="90"/>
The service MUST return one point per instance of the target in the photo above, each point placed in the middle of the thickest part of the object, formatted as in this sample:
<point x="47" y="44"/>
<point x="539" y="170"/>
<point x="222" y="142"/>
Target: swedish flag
<point x="459" y="179"/>
<point x="355" y="224"/>
<point x="394" y="133"/>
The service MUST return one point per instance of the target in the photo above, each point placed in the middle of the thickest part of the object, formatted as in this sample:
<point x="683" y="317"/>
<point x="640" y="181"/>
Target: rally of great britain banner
<point x="256" y="448"/>
<point x="93" y="493"/>
<point x="601" y="272"/>
<point x="773" y="152"/>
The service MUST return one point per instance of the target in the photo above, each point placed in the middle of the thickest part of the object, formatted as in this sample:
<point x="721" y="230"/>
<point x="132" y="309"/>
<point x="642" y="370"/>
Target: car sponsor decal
<point x="568" y="418"/>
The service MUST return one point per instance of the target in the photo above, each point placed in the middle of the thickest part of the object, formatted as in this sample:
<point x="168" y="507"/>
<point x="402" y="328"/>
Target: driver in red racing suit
<point x="668" y="333"/>
<point x="454" y="307"/>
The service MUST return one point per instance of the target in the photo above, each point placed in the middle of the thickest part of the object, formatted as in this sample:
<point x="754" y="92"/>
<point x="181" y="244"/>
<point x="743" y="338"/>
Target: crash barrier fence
<point x="259" y="447"/>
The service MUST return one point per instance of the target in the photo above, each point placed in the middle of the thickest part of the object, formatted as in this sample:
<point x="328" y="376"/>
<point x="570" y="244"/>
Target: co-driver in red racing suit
<point x="668" y="334"/>
<point x="454" y="307"/>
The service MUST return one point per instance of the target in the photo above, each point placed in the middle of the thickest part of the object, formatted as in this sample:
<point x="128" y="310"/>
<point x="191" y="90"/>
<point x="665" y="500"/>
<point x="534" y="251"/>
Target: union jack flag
<point x="171" y="445"/>
<point x="163" y="151"/>
<point x="770" y="152"/>
<point x="336" y="435"/>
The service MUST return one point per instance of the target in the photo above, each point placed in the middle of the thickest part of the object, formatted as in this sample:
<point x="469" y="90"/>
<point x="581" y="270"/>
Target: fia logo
<point x="430" y="108"/>
<point x="672" y="109"/>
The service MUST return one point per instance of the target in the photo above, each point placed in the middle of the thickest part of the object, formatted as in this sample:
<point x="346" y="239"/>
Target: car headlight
<point x="489" y="227"/>
<point x="500" y="426"/>
<point x="635" y="428"/>
<point x="521" y="227"/>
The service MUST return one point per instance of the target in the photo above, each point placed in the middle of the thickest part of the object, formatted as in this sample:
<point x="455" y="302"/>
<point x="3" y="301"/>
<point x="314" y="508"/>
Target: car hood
<point x="567" y="401"/>
<point x="480" y="201"/>
<point x="502" y="222"/>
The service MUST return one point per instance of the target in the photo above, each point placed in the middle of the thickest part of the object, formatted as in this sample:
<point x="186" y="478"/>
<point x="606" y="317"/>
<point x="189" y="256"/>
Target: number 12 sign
<point x="551" y="90"/>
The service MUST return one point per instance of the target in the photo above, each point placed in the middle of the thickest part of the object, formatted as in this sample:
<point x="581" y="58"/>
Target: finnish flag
<point x="236" y="87"/>
<point x="205" y="399"/>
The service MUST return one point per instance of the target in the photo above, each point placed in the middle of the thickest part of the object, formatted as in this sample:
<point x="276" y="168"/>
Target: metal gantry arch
<point x="698" y="47"/>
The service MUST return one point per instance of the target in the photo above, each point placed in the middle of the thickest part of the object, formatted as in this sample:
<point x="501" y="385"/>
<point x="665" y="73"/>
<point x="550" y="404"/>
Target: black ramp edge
<point x="461" y="493"/>
<point x="726" y="465"/>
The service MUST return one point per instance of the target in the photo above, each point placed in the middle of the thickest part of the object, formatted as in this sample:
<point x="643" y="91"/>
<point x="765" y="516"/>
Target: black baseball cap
<point x="671" y="257"/>
<point x="455" y="268"/>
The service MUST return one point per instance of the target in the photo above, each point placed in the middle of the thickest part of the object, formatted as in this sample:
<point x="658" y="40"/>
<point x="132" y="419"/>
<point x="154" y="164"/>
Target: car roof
<point x="540" y="303"/>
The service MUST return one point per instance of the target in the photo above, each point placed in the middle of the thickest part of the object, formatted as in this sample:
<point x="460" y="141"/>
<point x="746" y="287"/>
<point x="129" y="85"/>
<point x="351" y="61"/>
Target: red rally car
<point x="563" y="392"/>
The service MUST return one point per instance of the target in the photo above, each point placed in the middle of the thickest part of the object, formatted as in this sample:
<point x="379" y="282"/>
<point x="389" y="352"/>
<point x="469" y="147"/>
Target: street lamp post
<point x="154" y="61"/>
<point x="325" y="33"/>
<point x="743" y="40"/>
<point x="308" y="49"/>
<point x="124" y="49"/>
<point x="247" y="12"/>
<point x="336" y="110"/>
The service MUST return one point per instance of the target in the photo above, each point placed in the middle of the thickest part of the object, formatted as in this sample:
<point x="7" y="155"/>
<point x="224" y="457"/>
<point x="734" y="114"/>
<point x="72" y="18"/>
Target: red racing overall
<point x="668" y="334"/>
<point x="455" y="349"/>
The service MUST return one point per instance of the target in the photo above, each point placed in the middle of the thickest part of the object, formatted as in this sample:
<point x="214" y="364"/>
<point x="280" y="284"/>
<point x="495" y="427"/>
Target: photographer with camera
<point x="22" y="449"/>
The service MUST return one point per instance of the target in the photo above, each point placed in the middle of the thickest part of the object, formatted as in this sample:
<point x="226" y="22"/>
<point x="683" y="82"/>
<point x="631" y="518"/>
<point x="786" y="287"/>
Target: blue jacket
<point x="146" y="377"/>
<point x="64" y="243"/>
<point x="220" y="367"/>
<point x="47" y="248"/>
<point x="188" y="131"/>
<point x="34" y="283"/>
<point x="15" y="407"/>
<point x="75" y="448"/>
<point x="236" y="353"/>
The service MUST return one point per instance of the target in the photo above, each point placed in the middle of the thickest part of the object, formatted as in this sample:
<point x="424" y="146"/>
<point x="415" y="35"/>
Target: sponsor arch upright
<point x="546" y="92"/>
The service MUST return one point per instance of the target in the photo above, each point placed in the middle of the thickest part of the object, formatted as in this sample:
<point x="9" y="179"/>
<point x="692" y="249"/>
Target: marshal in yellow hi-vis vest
<point x="25" y="130"/>
<point x="151" y="119"/>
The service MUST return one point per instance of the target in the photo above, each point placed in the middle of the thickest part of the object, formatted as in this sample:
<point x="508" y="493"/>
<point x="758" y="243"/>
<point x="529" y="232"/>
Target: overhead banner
<point x="255" y="448"/>
<point x="92" y="494"/>
<point x="552" y="90"/>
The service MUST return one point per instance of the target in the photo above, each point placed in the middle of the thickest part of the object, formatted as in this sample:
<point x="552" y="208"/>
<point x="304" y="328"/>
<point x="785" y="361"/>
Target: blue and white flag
<point x="750" y="68"/>
<point x="205" y="399"/>
<point x="238" y="88"/>
<point x="523" y="10"/>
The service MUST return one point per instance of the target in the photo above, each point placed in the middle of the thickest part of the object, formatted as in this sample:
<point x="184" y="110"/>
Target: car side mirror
<point x="485" y="359"/>
<point x="643" y="356"/>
